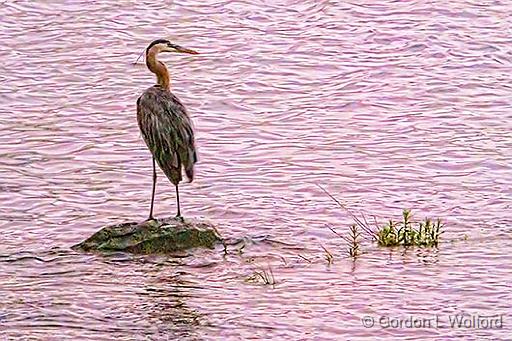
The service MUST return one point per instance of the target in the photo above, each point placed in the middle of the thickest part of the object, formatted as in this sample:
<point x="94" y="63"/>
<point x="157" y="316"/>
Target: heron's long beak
<point x="181" y="49"/>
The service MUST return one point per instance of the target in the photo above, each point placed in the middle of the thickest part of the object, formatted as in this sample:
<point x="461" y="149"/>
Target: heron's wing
<point x="167" y="131"/>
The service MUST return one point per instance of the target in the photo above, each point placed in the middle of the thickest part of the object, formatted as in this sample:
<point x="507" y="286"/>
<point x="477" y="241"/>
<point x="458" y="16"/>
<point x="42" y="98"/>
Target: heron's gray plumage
<point x="167" y="131"/>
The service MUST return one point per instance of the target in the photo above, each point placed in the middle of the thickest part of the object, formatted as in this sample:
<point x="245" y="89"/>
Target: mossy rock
<point x="153" y="236"/>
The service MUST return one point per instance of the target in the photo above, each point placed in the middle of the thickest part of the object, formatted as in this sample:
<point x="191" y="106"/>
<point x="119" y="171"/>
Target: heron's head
<point x="163" y="45"/>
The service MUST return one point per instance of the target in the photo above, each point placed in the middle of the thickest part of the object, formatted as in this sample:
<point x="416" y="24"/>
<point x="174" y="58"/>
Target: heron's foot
<point x="179" y="218"/>
<point x="150" y="218"/>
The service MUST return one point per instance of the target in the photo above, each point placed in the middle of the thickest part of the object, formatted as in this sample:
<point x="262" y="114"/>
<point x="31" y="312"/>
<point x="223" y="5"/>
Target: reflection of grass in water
<point x="401" y="233"/>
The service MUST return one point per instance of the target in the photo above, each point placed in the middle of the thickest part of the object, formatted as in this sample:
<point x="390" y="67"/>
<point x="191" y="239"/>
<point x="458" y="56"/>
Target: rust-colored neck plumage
<point x="159" y="69"/>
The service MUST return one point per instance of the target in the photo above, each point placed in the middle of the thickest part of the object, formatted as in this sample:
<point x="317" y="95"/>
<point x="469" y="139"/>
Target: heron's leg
<point x="178" y="202"/>
<point x="153" y="191"/>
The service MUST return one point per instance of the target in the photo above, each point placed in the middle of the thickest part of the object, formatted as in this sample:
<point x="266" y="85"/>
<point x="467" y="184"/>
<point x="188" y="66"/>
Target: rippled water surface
<point x="387" y="104"/>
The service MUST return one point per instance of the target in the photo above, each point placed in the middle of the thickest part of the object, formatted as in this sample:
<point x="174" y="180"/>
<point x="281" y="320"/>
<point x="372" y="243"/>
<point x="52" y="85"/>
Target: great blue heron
<point x="164" y="122"/>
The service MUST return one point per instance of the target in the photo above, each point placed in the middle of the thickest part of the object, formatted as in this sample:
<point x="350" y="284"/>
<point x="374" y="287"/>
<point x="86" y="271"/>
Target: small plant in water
<point x="328" y="255"/>
<point x="425" y="233"/>
<point x="263" y="276"/>
<point x="353" y="241"/>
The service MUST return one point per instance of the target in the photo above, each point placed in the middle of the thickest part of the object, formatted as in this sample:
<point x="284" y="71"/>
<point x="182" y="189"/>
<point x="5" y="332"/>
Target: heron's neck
<point x="159" y="69"/>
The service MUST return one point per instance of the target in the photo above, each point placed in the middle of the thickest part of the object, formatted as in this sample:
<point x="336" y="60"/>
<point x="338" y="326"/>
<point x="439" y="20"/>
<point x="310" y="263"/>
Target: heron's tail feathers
<point x="173" y="164"/>
<point x="190" y="173"/>
<point x="189" y="166"/>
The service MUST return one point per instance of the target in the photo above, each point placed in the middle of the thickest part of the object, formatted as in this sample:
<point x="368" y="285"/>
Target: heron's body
<point x="167" y="131"/>
<point x="165" y="125"/>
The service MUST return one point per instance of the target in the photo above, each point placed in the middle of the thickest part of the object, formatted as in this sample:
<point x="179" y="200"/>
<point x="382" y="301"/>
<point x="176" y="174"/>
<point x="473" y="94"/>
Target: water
<point x="387" y="104"/>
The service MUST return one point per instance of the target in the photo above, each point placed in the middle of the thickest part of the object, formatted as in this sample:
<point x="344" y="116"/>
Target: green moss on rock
<point x="153" y="236"/>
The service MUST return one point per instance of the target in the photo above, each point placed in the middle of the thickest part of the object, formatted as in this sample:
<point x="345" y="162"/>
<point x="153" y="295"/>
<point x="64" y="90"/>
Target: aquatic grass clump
<point x="425" y="233"/>
<point x="401" y="233"/>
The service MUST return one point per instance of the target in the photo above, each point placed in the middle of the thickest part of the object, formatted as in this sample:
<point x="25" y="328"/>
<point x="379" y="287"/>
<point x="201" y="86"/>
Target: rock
<point x="153" y="236"/>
